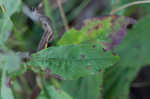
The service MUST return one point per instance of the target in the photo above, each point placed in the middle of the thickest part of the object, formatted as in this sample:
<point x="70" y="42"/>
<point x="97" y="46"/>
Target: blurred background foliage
<point x="25" y="30"/>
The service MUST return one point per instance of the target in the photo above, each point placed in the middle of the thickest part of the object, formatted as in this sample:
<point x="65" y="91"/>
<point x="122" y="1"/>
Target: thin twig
<point x="128" y="5"/>
<point x="63" y="15"/>
<point x="47" y="36"/>
<point x="48" y="31"/>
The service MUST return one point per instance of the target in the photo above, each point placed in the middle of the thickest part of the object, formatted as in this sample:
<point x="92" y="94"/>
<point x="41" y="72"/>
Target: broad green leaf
<point x="74" y="61"/>
<point x="84" y="88"/>
<point x="10" y="6"/>
<point x="10" y="61"/>
<point x="6" y="92"/>
<point x="95" y="29"/>
<point x="5" y="29"/>
<point x="134" y="53"/>
<point x="54" y="93"/>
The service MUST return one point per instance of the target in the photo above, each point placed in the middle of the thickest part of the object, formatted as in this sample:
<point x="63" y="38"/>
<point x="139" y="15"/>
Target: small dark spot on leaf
<point x="93" y="46"/>
<point x="104" y="50"/>
<point x="1" y="51"/>
<point x="114" y="18"/>
<point x="89" y="30"/>
<point x="82" y="56"/>
<point x="88" y="67"/>
<point x="100" y="70"/>
<point x="138" y="46"/>
<point x="114" y="54"/>
<point x="129" y="26"/>
<point x="96" y="27"/>
<point x="57" y="77"/>
<point x="58" y="90"/>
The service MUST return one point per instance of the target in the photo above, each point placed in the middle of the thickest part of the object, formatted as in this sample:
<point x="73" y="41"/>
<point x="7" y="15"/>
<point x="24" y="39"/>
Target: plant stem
<point x="78" y="10"/>
<point x="63" y="15"/>
<point x="3" y="9"/>
<point x="49" y="13"/>
<point x="128" y="5"/>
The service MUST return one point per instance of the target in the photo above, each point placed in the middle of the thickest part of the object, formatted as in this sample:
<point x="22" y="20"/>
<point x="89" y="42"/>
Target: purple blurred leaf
<point x="117" y="34"/>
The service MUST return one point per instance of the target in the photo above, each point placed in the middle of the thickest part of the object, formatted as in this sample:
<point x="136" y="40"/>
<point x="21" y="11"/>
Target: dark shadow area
<point x="140" y="87"/>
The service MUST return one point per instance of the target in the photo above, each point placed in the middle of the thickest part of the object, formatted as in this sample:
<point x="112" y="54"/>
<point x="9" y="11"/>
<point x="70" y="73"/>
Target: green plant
<point x="92" y="62"/>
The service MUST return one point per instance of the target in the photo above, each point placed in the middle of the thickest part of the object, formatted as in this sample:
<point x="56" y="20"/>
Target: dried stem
<point x="63" y="15"/>
<point x="48" y="31"/>
<point x="47" y="36"/>
<point x="128" y="5"/>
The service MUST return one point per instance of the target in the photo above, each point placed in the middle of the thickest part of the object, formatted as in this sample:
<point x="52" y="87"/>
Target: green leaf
<point x="54" y="93"/>
<point x="74" y="61"/>
<point x="6" y="92"/>
<point x="94" y="29"/>
<point x="133" y="52"/>
<point x="84" y="88"/>
<point x="10" y="61"/>
<point x="11" y="6"/>
<point x="5" y="29"/>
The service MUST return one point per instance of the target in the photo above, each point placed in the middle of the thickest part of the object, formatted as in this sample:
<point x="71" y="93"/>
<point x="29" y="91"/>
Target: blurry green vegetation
<point x="133" y="55"/>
